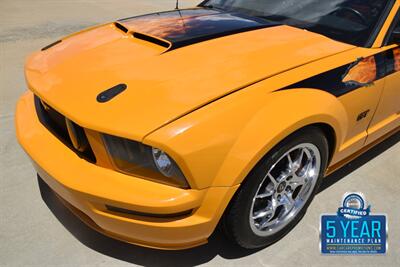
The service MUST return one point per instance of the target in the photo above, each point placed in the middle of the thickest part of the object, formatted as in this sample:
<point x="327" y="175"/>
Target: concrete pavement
<point x="37" y="230"/>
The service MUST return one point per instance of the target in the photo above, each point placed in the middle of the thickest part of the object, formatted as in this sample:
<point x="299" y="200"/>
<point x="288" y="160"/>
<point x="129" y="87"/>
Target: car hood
<point x="203" y="61"/>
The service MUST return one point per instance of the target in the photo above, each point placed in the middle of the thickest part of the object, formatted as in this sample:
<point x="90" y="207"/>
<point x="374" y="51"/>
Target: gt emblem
<point x="362" y="115"/>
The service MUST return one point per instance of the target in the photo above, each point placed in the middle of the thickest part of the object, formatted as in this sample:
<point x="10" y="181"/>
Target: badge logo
<point x="353" y="229"/>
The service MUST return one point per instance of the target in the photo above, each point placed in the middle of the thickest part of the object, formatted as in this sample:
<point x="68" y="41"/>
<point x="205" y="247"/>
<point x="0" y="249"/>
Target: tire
<point x="240" y="221"/>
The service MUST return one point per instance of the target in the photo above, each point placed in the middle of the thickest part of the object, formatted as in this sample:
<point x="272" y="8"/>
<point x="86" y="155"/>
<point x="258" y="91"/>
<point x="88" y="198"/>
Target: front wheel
<point x="277" y="193"/>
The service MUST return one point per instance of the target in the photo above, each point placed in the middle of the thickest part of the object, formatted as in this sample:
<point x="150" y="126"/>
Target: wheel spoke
<point x="271" y="220"/>
<point x="288" y="202"/>
<point x="304" y="173"/>
<point x="273" y="180"/>
<point x="268" y="223"/>
<point x="298" y="162"/>
<point x="297" y="181"/>
<point x="265" y="194"/>
<point x="304" y="191"/>
<point x="291" y="164"/>
<point x="263" y="214"/>
<point x="309" y="170"/>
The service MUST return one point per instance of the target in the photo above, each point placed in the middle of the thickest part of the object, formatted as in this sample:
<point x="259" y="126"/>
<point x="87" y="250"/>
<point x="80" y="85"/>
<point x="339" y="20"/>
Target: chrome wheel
<point x="285" y="189"/>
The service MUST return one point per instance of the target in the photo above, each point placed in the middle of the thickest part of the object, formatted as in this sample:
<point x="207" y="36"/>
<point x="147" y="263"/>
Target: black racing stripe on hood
<point x="204" y="38"/>
<point x="189" y="26"/>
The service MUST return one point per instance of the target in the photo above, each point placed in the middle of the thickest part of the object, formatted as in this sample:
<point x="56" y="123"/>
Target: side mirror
<point x="396" y="35"/>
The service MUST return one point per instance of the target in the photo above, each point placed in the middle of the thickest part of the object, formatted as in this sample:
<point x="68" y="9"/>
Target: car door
<point x="387" y="115"/>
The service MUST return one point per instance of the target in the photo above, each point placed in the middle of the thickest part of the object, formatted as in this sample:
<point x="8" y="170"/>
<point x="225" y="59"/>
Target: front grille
<point x="56" y="124"/>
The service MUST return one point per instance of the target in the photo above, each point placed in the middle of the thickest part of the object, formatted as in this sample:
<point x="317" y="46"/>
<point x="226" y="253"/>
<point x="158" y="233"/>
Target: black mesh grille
<point x="55" y="123"/>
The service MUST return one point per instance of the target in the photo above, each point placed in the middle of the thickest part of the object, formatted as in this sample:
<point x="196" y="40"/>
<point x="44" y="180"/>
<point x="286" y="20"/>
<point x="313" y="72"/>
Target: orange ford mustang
<point x="155" y="129"/>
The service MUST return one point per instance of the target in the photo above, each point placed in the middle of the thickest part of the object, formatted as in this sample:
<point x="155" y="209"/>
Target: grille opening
<point x="121" y="27"/>
<point x="56" y="124"/>
<point x="151" y="39"/>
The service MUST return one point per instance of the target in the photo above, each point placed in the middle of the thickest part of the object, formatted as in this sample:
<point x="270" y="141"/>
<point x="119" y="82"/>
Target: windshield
<point x="350" y="21"/>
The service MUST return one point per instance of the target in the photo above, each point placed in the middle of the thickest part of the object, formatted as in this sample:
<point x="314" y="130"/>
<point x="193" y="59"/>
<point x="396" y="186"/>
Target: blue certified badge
<point x="353" y="229"/>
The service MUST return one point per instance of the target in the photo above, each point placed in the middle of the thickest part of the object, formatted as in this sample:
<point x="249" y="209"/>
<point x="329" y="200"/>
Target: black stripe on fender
<point x="347" y="78"/>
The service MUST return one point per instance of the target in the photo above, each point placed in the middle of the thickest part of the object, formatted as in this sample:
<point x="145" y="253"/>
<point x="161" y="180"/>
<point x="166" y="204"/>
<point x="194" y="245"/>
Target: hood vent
<point x="144" y="37"/>
<point x="151" y="39"/>
<point x="51" y="45"/>
<point x="121" y="27"/>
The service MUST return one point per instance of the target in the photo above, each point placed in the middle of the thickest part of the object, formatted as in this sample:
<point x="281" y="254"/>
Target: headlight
<point x="137" y="159"/>
<point x="163" y="162"/>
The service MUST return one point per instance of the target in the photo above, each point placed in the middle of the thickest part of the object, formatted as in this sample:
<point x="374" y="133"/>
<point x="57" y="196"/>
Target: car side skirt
<point x="355" y="155"/>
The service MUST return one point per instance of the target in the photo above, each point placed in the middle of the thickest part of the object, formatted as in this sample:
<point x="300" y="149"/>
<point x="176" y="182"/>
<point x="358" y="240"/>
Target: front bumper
<point x="86" y="189"/>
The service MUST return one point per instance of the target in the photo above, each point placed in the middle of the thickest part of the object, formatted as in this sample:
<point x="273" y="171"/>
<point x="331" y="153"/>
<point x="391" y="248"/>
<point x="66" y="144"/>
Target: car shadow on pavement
<point x="217" y="245"/>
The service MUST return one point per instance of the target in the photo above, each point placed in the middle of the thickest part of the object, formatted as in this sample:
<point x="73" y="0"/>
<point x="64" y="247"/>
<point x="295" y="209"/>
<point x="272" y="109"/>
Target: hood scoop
<point x="144" y="37"/>
<point x="184" y="27"/>
<point x="121" y="27"/>
<point x="151" y="39"/>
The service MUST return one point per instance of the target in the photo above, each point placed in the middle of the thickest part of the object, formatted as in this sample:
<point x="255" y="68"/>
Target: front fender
<point x="286" y="113"/>
<point x="219" y="144"/>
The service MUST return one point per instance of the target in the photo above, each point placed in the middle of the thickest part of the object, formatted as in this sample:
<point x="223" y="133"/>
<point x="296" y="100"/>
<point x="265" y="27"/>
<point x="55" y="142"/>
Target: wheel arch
<point x="327" y="114"/>
<point x="330" y="135"/>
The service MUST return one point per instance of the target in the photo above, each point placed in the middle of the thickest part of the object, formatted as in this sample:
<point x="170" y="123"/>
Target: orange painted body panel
<point x="67" y="77"/>
<point x="216" y="107"/>
<point x="89" y="188"/>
